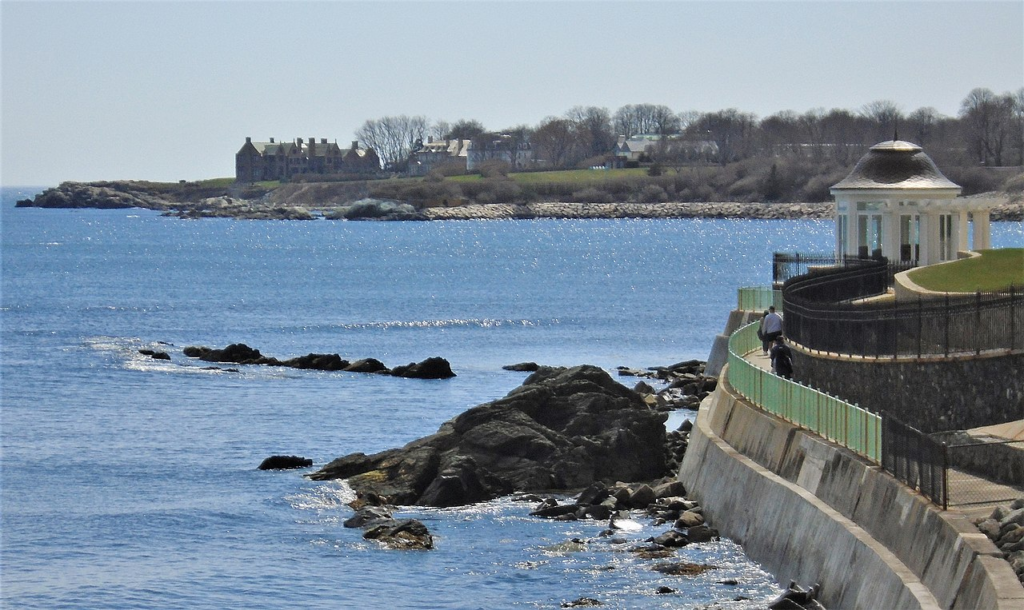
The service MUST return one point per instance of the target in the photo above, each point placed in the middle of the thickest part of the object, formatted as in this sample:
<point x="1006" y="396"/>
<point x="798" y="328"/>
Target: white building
<point x="897" y="204"/>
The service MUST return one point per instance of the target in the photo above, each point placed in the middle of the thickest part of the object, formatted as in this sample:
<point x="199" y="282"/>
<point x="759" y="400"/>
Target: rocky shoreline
<point x="302" y="205"/>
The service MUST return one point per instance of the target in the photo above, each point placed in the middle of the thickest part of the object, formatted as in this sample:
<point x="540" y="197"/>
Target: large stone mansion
<point x="272" y="160"/>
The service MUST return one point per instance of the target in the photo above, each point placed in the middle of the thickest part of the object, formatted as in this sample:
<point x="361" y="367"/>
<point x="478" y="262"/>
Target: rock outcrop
<point x="562" y="429"/>
<point x="103" y="195"/>
<point x="240" y="353"/>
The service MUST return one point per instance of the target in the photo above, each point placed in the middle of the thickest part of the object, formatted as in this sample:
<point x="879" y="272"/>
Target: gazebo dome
<point x="895" y="164"/>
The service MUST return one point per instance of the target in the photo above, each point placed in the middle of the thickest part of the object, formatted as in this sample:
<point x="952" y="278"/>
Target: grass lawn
<point x="573" y="175"/>
<point x="993" y="270"/>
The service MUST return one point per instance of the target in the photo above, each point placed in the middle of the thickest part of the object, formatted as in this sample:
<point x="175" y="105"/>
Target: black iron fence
<point x="915" y="459"/>
<point x="786" y="265"/>
<point x="822" y="313"/>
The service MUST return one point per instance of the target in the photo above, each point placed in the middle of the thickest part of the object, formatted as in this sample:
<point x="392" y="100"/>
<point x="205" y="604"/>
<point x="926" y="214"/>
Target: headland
<point x="350" y="201"/>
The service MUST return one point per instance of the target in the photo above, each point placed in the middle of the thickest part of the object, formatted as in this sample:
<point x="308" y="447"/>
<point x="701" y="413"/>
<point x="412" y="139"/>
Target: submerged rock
<point x="561" y="429"/>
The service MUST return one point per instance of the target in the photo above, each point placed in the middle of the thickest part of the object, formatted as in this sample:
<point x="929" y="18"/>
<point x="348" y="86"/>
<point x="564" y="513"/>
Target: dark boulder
<point x="683" y="568"/>
<point x="155" y="355"/>
<point x="561" y="429"/>
<point x="236" y="353"/>
<point x="370" y="516"/>
<point x="317" y="362"/>
<point x="367" y="365"/>
<point x="701" y="533"/>
<point x="408" y="534"/>
<point x="671" y="539"/>
<point x="283" y="462"/>
<point x="431" y="368"/>
<point x="523" y="367"/>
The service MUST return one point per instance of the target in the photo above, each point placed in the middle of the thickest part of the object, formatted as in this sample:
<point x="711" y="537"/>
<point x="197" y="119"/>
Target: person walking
<point x="765" y="345"/>
<point x="782" y="358"/>
<point x="772" y="326"/>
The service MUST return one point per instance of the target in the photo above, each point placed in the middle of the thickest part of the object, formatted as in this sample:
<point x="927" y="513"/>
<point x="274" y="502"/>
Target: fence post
<point x="895" y="326"/>
<point x="920" y="324"/>
<point x="977" y="323"/>
<point x="945" y="476"/>
<point x="946" y="350"/>
<point x="1013" y="325"/>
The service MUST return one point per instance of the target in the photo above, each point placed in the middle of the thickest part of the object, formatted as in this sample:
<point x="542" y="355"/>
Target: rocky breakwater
<point x="561" y="429"/>
<point x="496" y="211"/>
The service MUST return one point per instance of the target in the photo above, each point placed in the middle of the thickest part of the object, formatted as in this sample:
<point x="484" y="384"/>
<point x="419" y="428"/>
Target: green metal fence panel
<point x="827" y="416"/>
<point x="758" y="298"/>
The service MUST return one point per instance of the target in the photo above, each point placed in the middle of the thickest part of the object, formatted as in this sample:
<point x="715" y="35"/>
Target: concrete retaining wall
<point x="811" y="511"/>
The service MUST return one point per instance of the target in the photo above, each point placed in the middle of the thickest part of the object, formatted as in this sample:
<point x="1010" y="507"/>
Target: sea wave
<point x="450" y="323"/>
<point x="327" y="496"/>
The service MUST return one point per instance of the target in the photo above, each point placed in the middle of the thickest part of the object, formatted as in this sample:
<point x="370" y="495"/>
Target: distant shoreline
<point x="207" y="204"/>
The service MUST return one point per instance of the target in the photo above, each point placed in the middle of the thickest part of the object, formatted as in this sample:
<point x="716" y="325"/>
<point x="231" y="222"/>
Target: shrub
<point x="494" y="168"/>
<point x="652" y="193"/>
<point x="592" y="195"/>
<point x="1014" y="185"/>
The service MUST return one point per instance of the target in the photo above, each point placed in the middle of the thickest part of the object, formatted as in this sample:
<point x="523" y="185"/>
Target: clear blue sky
<point x="170" y="90"/>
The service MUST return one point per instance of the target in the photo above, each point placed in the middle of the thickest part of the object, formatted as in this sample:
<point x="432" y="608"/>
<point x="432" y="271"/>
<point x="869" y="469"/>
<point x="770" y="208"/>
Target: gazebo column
<point x="891" y="234"/>
<point x="982" y="230"/>
<point x="961" y="232"/>
<point x="929" y="238"/>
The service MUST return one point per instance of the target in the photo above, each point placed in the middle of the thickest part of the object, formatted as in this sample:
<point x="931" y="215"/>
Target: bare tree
<point x="440" y="130"/>
<point x="987" y="118"/>
<point x="1017" y="124"/>
<point x="593" y="129"/>
<point x="885" y="116"/>
<point x="731" y="130"/>
<point x="636" y="119"/>
<point x="392" y="138"/>
<point x="555" y="140"/>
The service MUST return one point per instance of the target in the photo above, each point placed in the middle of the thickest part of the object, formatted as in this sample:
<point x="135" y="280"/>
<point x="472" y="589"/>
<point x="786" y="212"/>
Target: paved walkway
<point x="967" y="493"/>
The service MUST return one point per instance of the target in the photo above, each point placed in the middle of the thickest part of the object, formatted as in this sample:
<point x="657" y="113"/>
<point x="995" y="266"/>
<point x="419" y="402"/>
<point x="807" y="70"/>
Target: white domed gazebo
<point x="897" y="204"/>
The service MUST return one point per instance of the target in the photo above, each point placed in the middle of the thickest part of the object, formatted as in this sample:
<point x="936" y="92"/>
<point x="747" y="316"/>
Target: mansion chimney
<point x="355" y="144"/>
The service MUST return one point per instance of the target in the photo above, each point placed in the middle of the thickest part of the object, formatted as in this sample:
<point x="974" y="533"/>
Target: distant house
<point x="645" y="147"/>
<point x="432" y="154"/>
<point x="272" y="160"/>
<point x="514" y="151"/>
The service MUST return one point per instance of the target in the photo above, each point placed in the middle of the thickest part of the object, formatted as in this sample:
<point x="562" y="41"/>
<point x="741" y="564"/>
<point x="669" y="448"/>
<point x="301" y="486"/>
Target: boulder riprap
<point x="561" y="429"/>
<point x="1005" y="527"/>
<point x="240" y="353"/>
<point x="285" y="462"/>
<point x="687" y="385"/>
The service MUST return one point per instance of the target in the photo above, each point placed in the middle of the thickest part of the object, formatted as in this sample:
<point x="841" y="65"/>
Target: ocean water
<point x="129" y="482"/>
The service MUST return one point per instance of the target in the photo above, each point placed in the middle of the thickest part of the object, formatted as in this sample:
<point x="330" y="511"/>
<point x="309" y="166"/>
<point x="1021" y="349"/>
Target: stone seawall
<point x="811" y="511"/>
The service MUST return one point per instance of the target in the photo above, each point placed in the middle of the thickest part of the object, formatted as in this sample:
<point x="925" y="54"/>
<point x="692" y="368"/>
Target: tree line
<point x="987" y="131"/>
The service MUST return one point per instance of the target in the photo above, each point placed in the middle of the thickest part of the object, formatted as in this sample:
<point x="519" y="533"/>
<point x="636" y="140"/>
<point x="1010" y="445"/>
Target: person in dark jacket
<point x="782" y="358"/>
